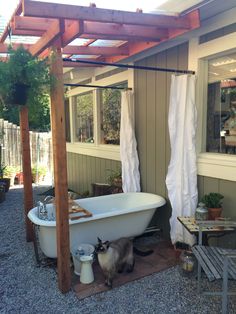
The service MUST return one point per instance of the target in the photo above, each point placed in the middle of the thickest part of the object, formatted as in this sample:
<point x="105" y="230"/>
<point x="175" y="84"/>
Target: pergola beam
<point x="93" y="50"/>
<point x="71" y="32"/>
<point x="68" y="64"/>
<point x="17" y="11"/>
<point x="73" y="12"/>
<point x="31" y="23"/>
<point x="120" y="37"/>
<point x="126" y="31"/>
<point x="27" y="33"/>
<point x="76" y="28"/>
<point x="47" y="39"/>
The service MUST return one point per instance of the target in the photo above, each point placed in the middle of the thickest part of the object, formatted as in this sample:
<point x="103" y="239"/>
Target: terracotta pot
<point x="19" y="178"/>
<point x="214" y="213"/>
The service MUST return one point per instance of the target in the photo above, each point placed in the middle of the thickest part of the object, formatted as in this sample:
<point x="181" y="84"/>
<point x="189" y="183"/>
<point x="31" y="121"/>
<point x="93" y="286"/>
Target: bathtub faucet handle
<point x="42" y="211"/>
<point x="48" y="199"/>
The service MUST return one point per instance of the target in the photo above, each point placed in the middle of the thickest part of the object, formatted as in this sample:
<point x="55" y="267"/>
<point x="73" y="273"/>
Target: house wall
<point x="84" y="170"/>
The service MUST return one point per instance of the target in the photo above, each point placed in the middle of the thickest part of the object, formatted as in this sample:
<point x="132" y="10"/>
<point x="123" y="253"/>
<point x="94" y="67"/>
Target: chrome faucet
<point x="51" y="215"/>
<point x="42" y="211"/>
<point x="45" y="213"/>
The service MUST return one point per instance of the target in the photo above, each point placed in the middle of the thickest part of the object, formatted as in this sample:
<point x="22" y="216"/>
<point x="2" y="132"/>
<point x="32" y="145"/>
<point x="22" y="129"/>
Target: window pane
<point x="84" y="118"/>
<point x="110" y="115"/>
<point x="221" y="110"/>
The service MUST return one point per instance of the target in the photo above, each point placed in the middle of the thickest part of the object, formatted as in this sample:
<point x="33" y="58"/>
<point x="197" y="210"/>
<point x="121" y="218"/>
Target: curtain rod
<point x="138" y="67"/>
<point x="98" y="86"/>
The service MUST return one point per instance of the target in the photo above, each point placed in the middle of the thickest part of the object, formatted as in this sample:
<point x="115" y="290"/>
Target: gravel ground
<point x="25" y="288"/>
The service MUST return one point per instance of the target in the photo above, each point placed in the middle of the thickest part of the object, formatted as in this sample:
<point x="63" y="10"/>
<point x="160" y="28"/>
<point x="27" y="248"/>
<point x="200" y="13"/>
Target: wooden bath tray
<point x="82" y="212"/>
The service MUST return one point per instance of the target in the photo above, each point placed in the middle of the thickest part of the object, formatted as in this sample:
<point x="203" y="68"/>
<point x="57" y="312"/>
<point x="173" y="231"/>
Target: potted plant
<point x="23" y="78"/>
<point x="19" y="177"/>
<point x="213" y="202"/>
<point x="115" y="181"/>
<point x="10" y="172"/>
<point x="4" y="181"/>
<point x="115" y="178"/>
<point x="38" y="173"/>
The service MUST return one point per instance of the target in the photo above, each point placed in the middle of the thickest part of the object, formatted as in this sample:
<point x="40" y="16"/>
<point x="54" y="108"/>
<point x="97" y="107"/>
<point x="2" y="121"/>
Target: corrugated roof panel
<point x="107" y="43"/>
<point x="22" y="39"/>
<point x="84" y="56"/>
<point x="79" y="42"/>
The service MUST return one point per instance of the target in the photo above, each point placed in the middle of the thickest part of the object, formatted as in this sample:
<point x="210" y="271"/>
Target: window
<point x="110" y="115"/>
<point x="214" y="160"/>
<point x="84" y="131"/>
<point x="95" y="114"/>
<point x="221" y="105"/>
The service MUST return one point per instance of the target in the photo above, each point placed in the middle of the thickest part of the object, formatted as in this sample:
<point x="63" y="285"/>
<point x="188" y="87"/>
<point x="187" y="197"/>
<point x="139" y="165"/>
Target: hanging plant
<point x="23" y="78"/>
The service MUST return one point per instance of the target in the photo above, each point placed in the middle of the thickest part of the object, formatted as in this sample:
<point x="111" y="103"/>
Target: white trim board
<point x="218" y="166"/>
<point x="111" y="152"/>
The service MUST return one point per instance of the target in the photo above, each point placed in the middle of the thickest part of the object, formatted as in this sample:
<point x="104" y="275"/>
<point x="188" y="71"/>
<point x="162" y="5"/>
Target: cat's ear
<point x="107" y="243"/>
<point x="99" y="240"/>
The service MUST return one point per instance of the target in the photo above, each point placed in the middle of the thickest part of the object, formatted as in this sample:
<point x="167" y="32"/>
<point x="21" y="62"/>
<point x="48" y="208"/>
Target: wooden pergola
<point x="57" y="26"/>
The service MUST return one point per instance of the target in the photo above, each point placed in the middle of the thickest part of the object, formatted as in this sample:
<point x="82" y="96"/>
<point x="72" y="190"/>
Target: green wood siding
<point x="84" y="170"/>
<point x="151" y="121"/>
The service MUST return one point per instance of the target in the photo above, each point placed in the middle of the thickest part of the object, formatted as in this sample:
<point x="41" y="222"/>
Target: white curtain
<point x="181" y="178"/>
<point x="128" y="145"/>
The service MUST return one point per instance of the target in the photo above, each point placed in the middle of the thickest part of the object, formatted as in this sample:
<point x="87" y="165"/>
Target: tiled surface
<point x="190" y="224"/>
<point x="162" y="258"/>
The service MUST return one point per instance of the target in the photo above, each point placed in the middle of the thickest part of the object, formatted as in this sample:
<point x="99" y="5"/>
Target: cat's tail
<point x="142" y="253"/>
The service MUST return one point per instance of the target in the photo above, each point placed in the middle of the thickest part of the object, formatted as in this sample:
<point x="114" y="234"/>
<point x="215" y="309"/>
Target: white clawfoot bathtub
<point x="114" y="216"/>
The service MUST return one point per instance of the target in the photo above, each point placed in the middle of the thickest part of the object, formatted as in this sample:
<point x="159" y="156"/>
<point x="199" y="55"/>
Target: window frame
<point x="96" y="149"/>
<point x="215" y="165"/>
<point x="76" y="114"/>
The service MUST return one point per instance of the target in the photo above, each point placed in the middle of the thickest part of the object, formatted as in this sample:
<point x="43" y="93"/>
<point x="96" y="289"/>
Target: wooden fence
<point x="40" y="144"/>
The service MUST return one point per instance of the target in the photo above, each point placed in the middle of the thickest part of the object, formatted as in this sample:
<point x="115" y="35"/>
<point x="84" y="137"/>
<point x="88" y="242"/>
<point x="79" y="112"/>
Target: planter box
<point x="99" y="189"/>
<point x="6" y="182"/>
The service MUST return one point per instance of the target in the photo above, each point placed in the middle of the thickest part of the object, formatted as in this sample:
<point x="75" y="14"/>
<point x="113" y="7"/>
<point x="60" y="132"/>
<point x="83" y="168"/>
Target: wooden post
<point x="60" y="171"/>
<point x="26" y="163"/>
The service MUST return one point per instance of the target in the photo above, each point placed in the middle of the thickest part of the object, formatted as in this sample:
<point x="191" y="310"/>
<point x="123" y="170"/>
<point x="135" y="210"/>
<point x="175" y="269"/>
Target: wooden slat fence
<point x="40" y="142"/>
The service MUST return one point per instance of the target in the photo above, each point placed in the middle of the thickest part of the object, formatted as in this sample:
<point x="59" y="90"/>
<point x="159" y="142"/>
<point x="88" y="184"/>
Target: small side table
<point x="189" y="224"/>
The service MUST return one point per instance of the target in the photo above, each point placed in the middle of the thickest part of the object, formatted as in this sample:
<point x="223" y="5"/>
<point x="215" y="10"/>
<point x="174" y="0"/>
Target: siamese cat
<point x="116" y="256"/>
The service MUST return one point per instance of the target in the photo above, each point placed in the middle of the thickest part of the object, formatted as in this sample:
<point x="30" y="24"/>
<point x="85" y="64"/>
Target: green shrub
<point x="114" y="176"/>
<point x="9" y="171"/>
<point x="39" y="170"/>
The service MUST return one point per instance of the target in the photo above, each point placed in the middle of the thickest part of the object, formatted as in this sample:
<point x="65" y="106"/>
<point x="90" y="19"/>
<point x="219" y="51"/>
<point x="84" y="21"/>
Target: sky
<point x="7" y="7"/>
